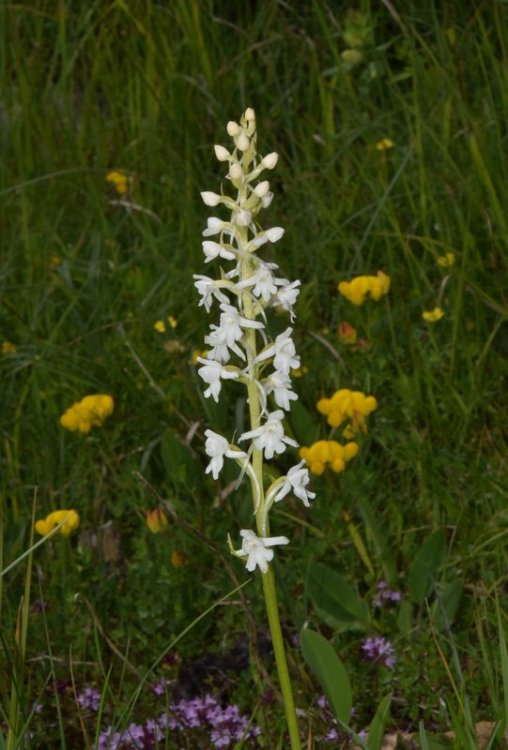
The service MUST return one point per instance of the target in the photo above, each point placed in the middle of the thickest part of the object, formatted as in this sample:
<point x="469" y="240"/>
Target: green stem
<point x="256" y="478"/>
<point x="280" y="658"/>
<point x="263" y="529"/>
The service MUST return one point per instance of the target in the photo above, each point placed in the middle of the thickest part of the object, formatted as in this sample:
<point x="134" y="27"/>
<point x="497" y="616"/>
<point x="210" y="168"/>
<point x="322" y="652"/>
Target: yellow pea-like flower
<point x="357" y="290"/>
<point x="68" y="518"/>
<point x="432" y="316"/>
<point x="446" y="261"/>
<point x="90" y="412"/>
<point x="385" y="144"/>
<point x="330" y="453"/>
<point x="120" y="181"/>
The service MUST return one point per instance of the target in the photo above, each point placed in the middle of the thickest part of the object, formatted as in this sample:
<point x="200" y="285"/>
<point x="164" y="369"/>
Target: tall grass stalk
<point x="17" y="709"/>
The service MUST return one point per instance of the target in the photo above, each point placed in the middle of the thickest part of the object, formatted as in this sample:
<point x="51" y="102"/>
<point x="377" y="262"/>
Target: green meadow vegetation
<point x="390" y="122"/>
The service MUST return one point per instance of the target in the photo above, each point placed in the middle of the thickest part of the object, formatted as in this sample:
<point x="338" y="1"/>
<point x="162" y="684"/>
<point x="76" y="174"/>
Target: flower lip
<point x="296" y="481"/>
<point x="257" y="549"/>
<point x="270" y="436"/>
<point x="216" y="447"/>
<point x="212" y="372"/>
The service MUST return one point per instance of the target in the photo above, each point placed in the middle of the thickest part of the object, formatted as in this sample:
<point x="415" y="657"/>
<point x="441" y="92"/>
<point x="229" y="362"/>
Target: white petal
<point x="271" y="541"/>
<point x="242" y="141"/>
<point x="221" y="153"/>
<point x="274" y="234"/>
<point x="235" y="171"/>
<point x="233" y="128"/>
<point x="210" y="199"/>
<point x="262" y="189"/>
<point x="270" y="160"/>
<point x="243" y="218"/>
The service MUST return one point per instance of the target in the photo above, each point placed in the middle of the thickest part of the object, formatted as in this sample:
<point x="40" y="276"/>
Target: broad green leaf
<point x="377" y="536"/>
<point x="182" y="468"/>
<point x="405" y="617"/>
<point x="445" y="608"/>
<point x="426" y="565"/>
<point x="334" y="599"/>
<point x="305" y="427"/>
<point x="329" y="671"/>
<point x="377" y="727"/>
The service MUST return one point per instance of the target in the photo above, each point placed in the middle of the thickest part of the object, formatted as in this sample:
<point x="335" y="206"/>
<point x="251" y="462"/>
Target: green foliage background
<point x="147" y="88"/>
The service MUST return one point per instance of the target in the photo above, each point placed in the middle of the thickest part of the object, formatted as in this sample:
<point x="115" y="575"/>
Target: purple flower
<point x="159" y="688"/>
<point x="385" y="595"/>
<point x="89" y="699"/>
<point x="225" y="726"/>
<point x="109" y="740"/>
<point x="332" y="735"/>
<point x="379" y="649"/>
<point x="322" y="702"/>
<point x="135" y="733"/>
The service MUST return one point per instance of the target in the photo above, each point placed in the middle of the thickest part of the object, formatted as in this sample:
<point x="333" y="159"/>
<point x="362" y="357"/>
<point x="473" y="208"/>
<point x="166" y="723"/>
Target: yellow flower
<point x="119" y="180"/>
<point x="379" y="285"/>
<point x="8" y="347"/>
<point x="160" y="325"/>
<point x="90" y="412"/>
<point x="432" y="316"/>
<point x="357" y="289"/>
<point x="385" y="144"/>
<point x="328" y="452"/>
<point x="346" y="333"/>
<point x="69" y="518"/>
<point x="178" y="558"/>
<point x="156" y="520"/>
<point x="347" y="405"/>
<point x="445" y="261"/>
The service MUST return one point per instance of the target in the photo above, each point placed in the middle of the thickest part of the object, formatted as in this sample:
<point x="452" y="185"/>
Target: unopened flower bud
<point x="235" y="171"/>
<point x="270" y="160"/>
<point x="156" y="520"/>
<point x="249" y="115"/>
<point x="266" y="200"/>
<point x="274" y="234"/>
<point x="233" y="128"/>
<point x="243" y="218"/>
<point x="262" y="189"/>
<point x="242" y="141"/>
<point x="210" y="199"/>
<point x="221" y="153"/>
